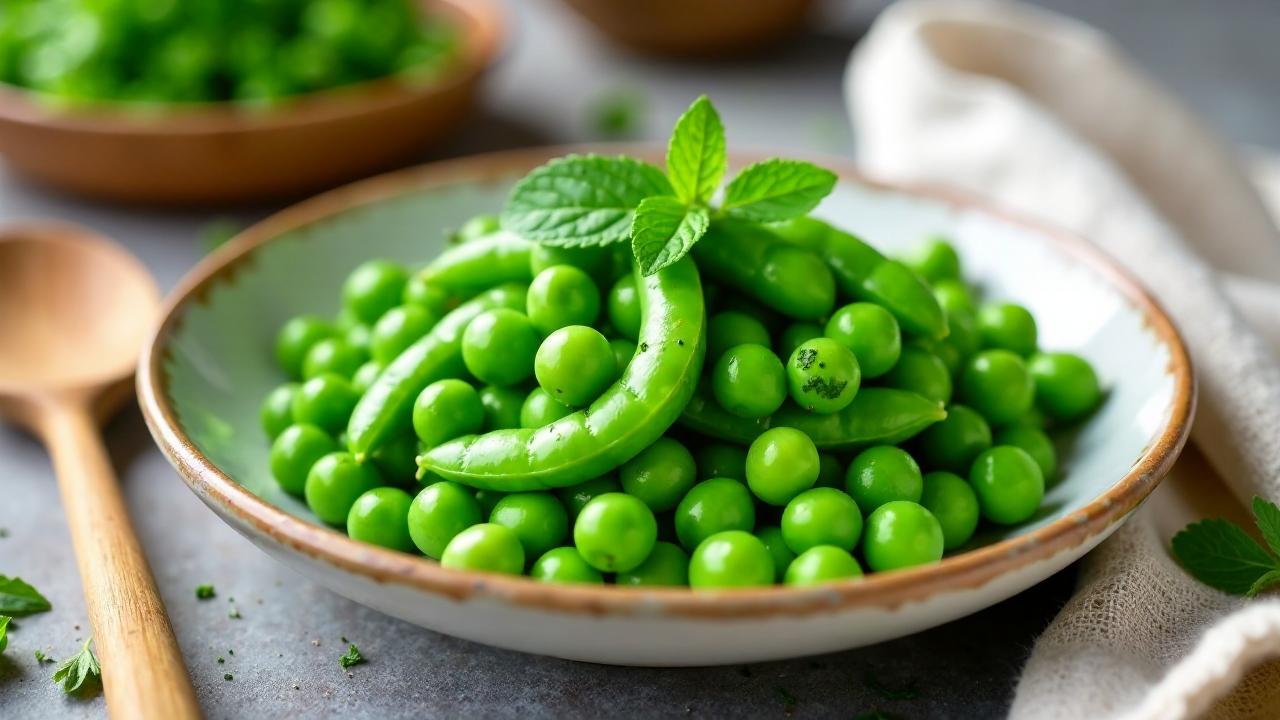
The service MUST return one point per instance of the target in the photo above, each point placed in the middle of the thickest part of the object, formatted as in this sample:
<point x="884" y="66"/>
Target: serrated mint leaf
<point x="17" y="598"/>
<point x="1264" y="582"/>
<point x="1267" y="516"/>
<point x="581" y="200"/>
<point x="663" y="232"/>
<point x="1221" y="555"/>
<point x="776" y="190"/>
<point x="696" y="154"/>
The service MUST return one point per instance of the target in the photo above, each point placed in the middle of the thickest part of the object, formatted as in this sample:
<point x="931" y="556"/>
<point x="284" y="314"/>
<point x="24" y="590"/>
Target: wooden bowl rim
<point x="889" y="590"/>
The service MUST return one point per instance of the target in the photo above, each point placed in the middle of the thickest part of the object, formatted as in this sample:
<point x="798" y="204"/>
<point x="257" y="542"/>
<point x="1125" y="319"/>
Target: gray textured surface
<point x="1220" y="55"/>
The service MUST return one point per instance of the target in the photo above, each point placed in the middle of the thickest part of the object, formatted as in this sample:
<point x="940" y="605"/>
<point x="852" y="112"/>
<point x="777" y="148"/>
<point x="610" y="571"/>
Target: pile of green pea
<point x="166" y="51"/>
<point x="692" y="508"/>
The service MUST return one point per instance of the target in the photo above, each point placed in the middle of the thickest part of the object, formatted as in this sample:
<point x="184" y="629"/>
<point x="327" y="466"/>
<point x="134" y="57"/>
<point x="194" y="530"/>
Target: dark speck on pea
<point x="644" y="346"/>
<point x="806" y="357"/>
<point x="824" y="388"/>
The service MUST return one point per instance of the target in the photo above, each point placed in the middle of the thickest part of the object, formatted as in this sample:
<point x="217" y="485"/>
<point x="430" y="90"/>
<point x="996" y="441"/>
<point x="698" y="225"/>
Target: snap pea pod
<point x="386" y="406"/>
<point x="748" y="257"/>
<point x="876" y="416"/>
<point x="864" y="273"/>
<point x="628" y="417"/>
<point x="480" y="264"/>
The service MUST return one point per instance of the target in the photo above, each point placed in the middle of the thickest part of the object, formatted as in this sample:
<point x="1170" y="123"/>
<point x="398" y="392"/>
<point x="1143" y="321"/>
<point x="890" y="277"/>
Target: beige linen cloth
<point x="1048" y="117"/>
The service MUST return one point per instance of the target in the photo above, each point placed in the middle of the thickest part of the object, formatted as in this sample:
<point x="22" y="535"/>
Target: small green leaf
<point x="581" y="200"/>
<point x="73" y="673"/>
<point x="353" y="657"/>
<point x="1264" y="582"/>
<point x="1267" y="516"/>
<point x="205" y="592"/>
<point x="776" y="190"/>
<point x="18" y="599"/>
<point x="696" y="154"/>
<point x="4" y="631"/>
<point x="663" y="232"/>
<point x="1221" y="555"/>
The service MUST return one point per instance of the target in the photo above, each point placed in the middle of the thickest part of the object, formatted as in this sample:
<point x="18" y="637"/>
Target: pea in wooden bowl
<point x="221" y="153"/>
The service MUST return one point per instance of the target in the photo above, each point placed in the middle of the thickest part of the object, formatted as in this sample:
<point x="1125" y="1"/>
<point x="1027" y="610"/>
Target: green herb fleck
<point x="231" y="652"/>
<point x="228" y="677"/>
<point x="1221" y="555"/>
<point x="617" y="113"/>
<point x="234" y="613"/>
<point x="4" y="533"/>
<point x="41" y="658"/>
<point x="353" y="657"/>
<point x="222" y="661"/>
<point x="73" y="673"/>
<point x="906" y="693"/>
<point x="205" y="592"/>
<point x="18" y="599"/>
<point x="788" y="700"/>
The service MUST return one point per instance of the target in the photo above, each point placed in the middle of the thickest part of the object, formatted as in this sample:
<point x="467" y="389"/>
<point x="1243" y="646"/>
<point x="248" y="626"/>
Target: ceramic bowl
<point x="219" y="153"/>
<point x="694" y="28"/>
<point x="210" y="364"/>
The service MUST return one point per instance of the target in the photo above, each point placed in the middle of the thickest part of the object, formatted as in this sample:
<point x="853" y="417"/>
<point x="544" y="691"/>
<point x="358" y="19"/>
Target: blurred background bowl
<point x="695" y="28"/>
<point x="223" y="152"/>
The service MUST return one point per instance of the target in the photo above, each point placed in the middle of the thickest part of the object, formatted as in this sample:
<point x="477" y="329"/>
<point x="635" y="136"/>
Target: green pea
<point x="575" y="364"/>
<point x="871" y="332"/>
<point x="595" y="261"/>
<point x="781" y="464"/>
<point x="294" y="451"/>
<point x="334" y="483"/>
<point x="399" y="328"/>
<point x="541" y="409"/>
<point x="537" y="518"/>
<point x="488" y="499"/>
<point x="830" y="474"/>
<point x="447" y="409"/>
<point x="624" y="307"/>
<point x="487" y="548"/>
<point x="713" y="506"/>
<point x="901" y="534"/>
<point x="666" y="566"/>
<point x="883" y="474"/>
<point x="478" y="227"/>
<point x="963" y="338"/>
<point x="774" y="542"/>
<point x="821" y="516"/>
<point x="365" y="375"/>
<point x="498" y="347"/>
<point x="296" y="338"/>
<point x="749" y="381"/>
<point x="953" y="443"/>
<point x="565" y="566"/>
<point x="373" y="288"/>
<point x="277" y="410"/>
<point x="1033" y="418"/>
<point x="997" y="384"/>
<point x="823" y="376"/>
<point x="1007" y="327"/>
<point x="562" y="295"/>
<point x="360" y="337"/>
<point x="440" y="511"/>
<point x="502" y="407"/>
<point x="623" y="351"/>
<point x="730" y="559"/>
<point x="332" y="356"/>
<point x="1036" y="443"/>
<point x="934" y="259"/>
<point x="921" y="372"/>
<point x="820" y="565"/>
<point x="797" y="333"/>
<point x="954" y="297"/>
<point x="1066" y="386"/>
<point x="615" y="532"/>
<point x="730" y="329"/>
<point x="661" y="475"/>
<point x="427" y="295"/>
<point x="325" y="401"/>
<point x="1008" y="483"/>
<point x="576" y="497"/>
<point x="954" y="504"/>
<point x="397" y="461"/>
<point x="381" y="517"/>
<point x="722" y="460"/>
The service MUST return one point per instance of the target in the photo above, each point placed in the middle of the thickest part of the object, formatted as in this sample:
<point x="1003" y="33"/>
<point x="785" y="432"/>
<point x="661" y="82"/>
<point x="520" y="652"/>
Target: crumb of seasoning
<point x="352" y="658"/>
<point x="231" y="652"/>
<point x="315" y="643"/>
<point x="228" y="677"/>
<point x="205" y="592"/>
<point x="345" y="640"/>
<point x="221" y="660"/>
<point x="234" y="613"/>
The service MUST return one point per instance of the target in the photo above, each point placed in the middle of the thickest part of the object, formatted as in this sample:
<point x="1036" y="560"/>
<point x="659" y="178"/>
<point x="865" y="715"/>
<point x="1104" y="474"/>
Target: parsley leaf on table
<point x="73" y="673"/>
<point x="353" y="657"/>
<point x="17" y="598"/>
<point x="1221" y="555"/>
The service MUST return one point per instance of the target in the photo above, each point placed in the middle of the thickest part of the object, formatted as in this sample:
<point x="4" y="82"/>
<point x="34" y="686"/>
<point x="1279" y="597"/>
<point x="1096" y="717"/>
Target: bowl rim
<point x="482" y="31"/>
<point x="968" y="570"/>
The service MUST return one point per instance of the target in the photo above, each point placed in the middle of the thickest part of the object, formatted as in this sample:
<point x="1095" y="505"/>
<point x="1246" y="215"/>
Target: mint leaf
<point x="776" y="190"/>
<point x="1267" y="516"/>
<point x="1221" y="555"/>
<point x="1264" y="582"/>
<point x="17" y="598"/>
<point x="581" y="200"/>
<point x="4" y="631"/>
<point x="663" y="232"/>
<point x="73" y="673"/>
<point x="696" y="154"/>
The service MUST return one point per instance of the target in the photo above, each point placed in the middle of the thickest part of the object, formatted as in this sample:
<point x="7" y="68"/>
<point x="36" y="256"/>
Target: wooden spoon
<point x="74" y="311"/>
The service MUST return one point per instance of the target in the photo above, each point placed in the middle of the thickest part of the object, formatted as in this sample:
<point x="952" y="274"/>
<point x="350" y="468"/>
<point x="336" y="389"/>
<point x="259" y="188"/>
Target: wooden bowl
<point x="694" y="28"/>
<point x="222" y="152"/>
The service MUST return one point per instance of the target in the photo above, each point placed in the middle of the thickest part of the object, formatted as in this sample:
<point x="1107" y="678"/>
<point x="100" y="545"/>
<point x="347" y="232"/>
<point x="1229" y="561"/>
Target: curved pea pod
<point x="480" y="264"/>
<point x="865" y="274"/>
<point x="877" y="416"/>
<point x="628" y="417"/>
<point x="386" y="407"/>
<point x="753" y="260"/>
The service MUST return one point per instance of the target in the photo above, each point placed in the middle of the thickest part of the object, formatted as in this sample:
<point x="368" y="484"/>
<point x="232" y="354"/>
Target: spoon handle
<point x="143" y="675"/>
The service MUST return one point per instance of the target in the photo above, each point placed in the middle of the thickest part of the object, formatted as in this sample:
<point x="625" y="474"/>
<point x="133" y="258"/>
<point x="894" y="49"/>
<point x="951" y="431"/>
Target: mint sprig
<point x="1222" y="555"/>
<point x="591" y="200"/>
